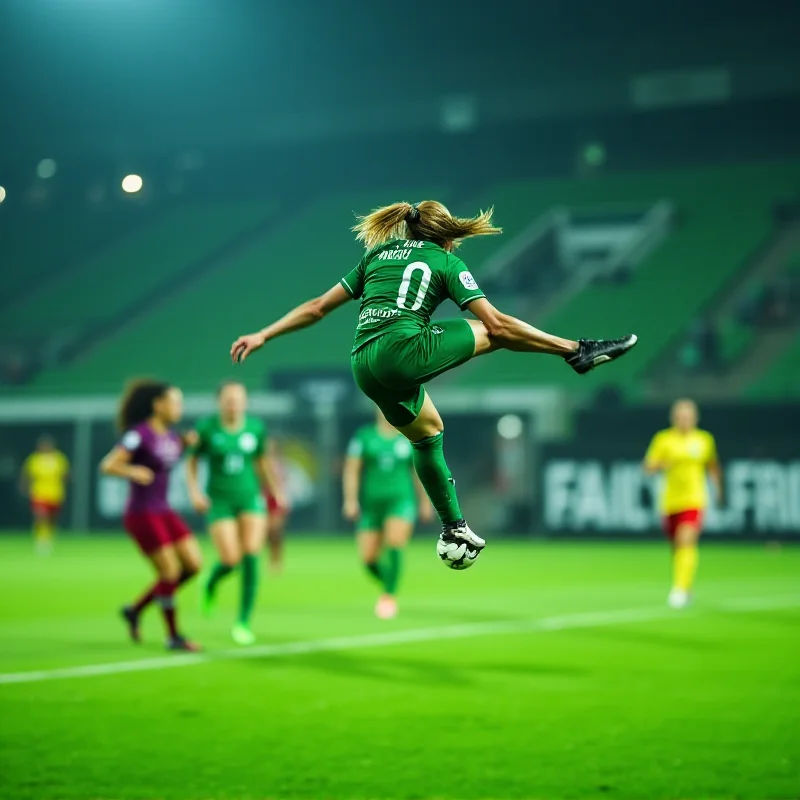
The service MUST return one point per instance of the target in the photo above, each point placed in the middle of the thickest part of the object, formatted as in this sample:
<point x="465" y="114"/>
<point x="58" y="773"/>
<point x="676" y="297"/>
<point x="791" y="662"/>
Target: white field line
<point x="591" y="619"/>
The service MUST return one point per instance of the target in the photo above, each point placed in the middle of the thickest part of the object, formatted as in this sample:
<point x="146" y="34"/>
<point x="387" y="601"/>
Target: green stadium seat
<point x="187" y="340"/>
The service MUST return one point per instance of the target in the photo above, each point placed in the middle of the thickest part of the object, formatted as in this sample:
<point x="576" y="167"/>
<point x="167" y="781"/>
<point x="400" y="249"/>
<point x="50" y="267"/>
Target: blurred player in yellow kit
<point x="44" y="477"/>
<point x="686" y="455"/>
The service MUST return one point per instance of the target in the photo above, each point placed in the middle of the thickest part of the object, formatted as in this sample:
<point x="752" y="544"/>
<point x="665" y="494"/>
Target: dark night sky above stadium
<point x="78" y="68"/>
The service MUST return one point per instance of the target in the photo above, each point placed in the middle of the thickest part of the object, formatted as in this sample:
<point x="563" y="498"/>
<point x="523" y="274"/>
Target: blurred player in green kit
<point x="235" y="446"/>
<point x="382" y="495"/>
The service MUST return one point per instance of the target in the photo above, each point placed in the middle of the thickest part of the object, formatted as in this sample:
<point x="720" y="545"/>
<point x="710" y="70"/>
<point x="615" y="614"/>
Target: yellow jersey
<point x="46" y="473"/>
<point x="684" y="458"/>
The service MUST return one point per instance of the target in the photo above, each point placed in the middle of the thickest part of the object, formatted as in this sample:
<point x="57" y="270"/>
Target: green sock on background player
<point x="218" y="573"/>
<point x="436" y="478"/>
<point x="374" y="569"/>
<point x="391" y="571"/>
<point x="249" y="587"/>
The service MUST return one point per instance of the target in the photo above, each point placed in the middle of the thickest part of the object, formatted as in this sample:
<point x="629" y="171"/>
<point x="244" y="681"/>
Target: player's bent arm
<point x="651" y="467"/>
<point x="192" y="483"/>
<point x="303" y="316"/>
<point x="510" y="333"/>
<point x="117" y="463"/>
<point x="267" y="472"/>
<point x="715" y="474"/>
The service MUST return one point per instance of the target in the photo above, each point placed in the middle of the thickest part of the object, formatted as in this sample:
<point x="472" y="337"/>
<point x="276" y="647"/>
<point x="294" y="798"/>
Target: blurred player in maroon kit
<point x="277" y="513"/>
<point x="145" y="456"/>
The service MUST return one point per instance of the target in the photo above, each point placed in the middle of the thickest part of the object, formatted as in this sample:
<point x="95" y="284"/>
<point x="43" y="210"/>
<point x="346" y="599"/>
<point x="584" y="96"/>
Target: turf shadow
<point x="392" y="670"/>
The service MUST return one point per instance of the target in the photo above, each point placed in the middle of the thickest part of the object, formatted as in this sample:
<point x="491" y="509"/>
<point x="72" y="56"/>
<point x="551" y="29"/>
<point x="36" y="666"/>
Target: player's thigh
<point x="369" y="545"/>
<point x="225" y="535"/>
<point x="483" y="342"/>
<point x="189" y="553"/>
<point x="427" y="423"/>
<point x="397" y="529"/>
<point x="686" y="533"/>
<point x="40" y="511"/>
<point x="166" y="562"/>
<point x="252" y="530"/>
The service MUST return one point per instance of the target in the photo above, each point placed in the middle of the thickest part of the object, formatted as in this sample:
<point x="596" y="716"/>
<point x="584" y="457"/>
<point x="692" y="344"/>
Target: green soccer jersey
<point x="402" y="282"/>
<point x="231" y="456"/>
<point x="386" y="471"/>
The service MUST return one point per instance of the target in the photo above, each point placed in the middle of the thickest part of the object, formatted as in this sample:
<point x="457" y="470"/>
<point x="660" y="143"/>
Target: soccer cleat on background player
<point x="593" y="352"/>
<point x="182" y="644"/>
<point x="242" y="634"/>
<point x="458" y="547"/>
<point x="131" y="618"/>
<point x="679" y="598"/>
<point x="386" y="607"/>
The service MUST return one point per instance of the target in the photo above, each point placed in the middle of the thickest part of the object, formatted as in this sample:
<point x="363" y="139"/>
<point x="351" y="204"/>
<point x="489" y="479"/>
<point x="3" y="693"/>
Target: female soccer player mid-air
<point x="145" y="456"/>
<point x="685" y="454"/>
<point x="235" y="446"/>
<point x="408" y="269"/>
<point x="382" y="495"/>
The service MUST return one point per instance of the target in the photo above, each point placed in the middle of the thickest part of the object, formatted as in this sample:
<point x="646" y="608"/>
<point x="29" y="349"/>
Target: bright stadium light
<point x="46" y="168"/>
<point x="2" y="193"/>
<point x="132" y="184"/>
<point x="509" y="426"/>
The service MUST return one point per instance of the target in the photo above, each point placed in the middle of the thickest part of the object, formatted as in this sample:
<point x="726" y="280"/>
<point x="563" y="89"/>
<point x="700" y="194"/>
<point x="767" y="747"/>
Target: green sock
<point x="374" y="569"/>
<point x="249" y="586"/>
<point x="391" y="573"/>
<point x="219" y="572"/>
<point x="436" y="478"/>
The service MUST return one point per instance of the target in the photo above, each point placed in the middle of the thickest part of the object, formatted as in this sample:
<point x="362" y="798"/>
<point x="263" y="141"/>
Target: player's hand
<point x="425" y="512"/>
<point x="281" y="501"/>
<point x="351" y="511"/>
<point x="144" y="476"/>
<point x="190" y="439"/>
<point x="245" y="345"/>
<point x="200" y="503"/>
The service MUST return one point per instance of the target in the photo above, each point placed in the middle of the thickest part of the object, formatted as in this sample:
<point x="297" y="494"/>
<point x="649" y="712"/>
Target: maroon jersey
<point x="158" y="451"/>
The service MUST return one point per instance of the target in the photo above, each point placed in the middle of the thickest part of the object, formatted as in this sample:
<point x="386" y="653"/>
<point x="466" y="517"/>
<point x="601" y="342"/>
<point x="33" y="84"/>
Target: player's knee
<point x="191" y="564"/>
<point x="170" y="570"/>
<point x="686" y="537"/>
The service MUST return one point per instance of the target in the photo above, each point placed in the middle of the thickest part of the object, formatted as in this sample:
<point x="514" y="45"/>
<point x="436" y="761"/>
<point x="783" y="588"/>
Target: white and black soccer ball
<point x="457" y="553"/>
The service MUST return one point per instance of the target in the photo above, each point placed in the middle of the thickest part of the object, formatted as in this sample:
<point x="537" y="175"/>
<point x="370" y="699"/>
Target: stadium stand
<point x="63" y="237"/>
<point x="725" y="214"/>
<point x="187" y="339"/>
<point x="103" y="286"/>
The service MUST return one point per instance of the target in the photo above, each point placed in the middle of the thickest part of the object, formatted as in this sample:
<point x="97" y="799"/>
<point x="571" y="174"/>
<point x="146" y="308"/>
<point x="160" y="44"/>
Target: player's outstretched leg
<point x="458" y="546"/>
<point x="593" y="352"/>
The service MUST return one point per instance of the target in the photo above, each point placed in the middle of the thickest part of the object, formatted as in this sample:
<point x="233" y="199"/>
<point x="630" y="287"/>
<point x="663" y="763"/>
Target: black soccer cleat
<point x="131" y="618"/>
<point x="458" y="546"/>
<point x="183" y="645"/>
<point x="593" y="352"/>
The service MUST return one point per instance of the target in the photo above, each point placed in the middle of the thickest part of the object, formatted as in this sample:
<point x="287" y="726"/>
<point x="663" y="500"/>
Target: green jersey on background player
<point x="382" y="496"/>
<point x="234" y="486"/>
<point x="235" y="448"/>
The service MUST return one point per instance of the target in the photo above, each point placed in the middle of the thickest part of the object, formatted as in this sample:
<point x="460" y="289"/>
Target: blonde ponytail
<point x="429" y="221"/>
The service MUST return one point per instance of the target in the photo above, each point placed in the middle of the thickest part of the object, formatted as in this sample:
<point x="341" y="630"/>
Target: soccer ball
<point x="457" y="554"/>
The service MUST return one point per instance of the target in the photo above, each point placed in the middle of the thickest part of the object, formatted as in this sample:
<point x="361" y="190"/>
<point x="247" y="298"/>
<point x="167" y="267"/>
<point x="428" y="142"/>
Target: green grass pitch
<point x="547" y="671"/>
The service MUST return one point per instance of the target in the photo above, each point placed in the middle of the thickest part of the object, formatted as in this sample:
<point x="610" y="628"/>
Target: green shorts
<point x="374" y="514"/>
<point x="230" y="506"/>
<point x="391" y="369"/>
